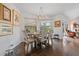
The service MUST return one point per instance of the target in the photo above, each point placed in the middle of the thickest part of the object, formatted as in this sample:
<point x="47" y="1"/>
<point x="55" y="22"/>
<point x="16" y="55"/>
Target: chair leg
<point x="28" y="53"/>
<point x="31" y="48"/>
<point x="27" y="48"/>
<point x="35" y="44"/>
<point x="52" y="43"/>
<point x="48" y="42"/>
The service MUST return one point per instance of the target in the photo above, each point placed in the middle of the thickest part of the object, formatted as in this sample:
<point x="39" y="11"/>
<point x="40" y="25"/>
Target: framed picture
<point x="6" y="13"/>
<point x="1" y="11"/>
<point x="30" y="29"/>
<point x="57" y="23"/>
<point x="16" y="17"/>
<point x="5" y="29"/>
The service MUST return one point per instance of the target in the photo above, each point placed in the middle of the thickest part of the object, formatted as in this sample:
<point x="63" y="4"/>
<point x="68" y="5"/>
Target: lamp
<point x="41" y="15"/>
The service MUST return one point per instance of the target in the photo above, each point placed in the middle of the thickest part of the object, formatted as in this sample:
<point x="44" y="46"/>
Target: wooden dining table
<point x="38" y="40"/>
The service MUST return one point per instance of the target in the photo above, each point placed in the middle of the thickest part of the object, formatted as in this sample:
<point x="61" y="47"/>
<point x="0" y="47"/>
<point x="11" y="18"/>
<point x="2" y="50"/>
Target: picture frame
<point x="6" y="29"/>
<point x="16" y="17"/>
<point x="1" y="11"/>
<point x="30" y="29"/>
<point x="57" y="23"/>
<point x="6" y="13"/>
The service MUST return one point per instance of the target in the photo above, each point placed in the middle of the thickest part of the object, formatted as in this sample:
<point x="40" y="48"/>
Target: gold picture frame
<point x="1" y="12"/>
<point x="6" y="28"/>
<point x="16" y="17"/>
<point x="6" y="13"/>
<point x="57" y="23"/>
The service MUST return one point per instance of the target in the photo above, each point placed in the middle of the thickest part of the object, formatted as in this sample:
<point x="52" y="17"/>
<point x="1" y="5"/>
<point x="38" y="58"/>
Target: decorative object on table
<point x="16" y="17"/>
<point x="5" y="13"/>
<point x="6" y="29"/>
<point x="57" y="23"/>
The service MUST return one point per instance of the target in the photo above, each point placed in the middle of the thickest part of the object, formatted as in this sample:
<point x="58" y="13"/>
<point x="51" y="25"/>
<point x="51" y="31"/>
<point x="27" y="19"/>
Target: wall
<point x="10" y="41"/>
<point x="66" y="18"/>
<point x="71" y="14"/>
<point x="59" y="31"/>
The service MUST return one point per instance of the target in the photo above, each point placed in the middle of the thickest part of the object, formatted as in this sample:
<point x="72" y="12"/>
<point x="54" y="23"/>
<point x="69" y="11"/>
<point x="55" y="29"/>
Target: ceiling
<point x="30" y="10"/>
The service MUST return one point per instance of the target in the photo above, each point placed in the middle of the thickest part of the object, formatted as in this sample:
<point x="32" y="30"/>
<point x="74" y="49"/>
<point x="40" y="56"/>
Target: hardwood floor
<point x="46" y="52"/>
<point x="49" y="51"/>
<point x="70" y="49"/>
<point x="20" y="49"/>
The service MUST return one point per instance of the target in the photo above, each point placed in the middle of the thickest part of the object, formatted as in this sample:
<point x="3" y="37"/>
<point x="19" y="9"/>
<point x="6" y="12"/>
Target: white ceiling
<point x="50" y="9"/>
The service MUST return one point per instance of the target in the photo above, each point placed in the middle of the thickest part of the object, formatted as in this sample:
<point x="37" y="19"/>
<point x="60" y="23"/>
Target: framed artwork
<point x="30" y="29"/>
<point x="6" y="13"/>
<point x="5" y="29"/>
<point x="57" y="23"/>
<point x="16" y="17"/>
<point x="1" y="11"/>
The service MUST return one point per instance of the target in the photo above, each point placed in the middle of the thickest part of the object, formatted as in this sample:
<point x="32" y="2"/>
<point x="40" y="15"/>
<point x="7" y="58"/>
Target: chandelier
<point x="41" y="15"/>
